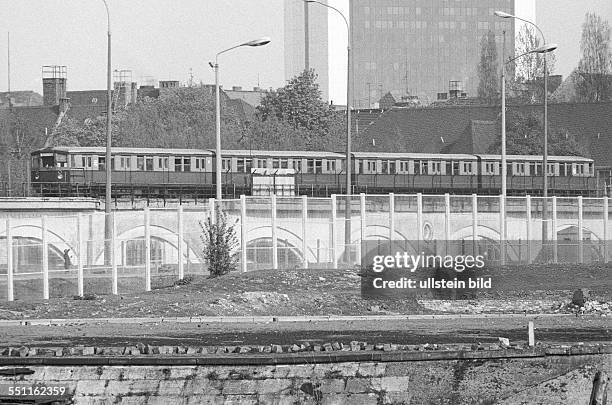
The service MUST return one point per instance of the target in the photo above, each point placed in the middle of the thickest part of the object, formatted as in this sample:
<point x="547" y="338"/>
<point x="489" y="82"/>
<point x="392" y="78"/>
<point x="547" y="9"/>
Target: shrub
<point x="220" y="244"/>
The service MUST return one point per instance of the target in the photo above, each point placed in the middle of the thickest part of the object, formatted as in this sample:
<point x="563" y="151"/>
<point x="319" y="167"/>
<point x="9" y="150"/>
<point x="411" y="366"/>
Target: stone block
<point x="301" y="371"/>
<point x="205" y="400"/>
<point x="371" y="370"/>
<point x="331" y="386"/>
<point x="202" y="386"/>
<point x="181" y="372"/>
<point x="362" y="385"/>
<point x="118" y="388"/>
<point x="273" y="399"/>
<point x="239" y="387"/>
<point x="241" y="400"/>
<point x="165" y="400"/>
<point x="143" y="387"/>
<point x="133" y="400"/>
<point x="89" y="351"/>
<point x="274" y="386"/>
<point x="395" y="384"/>
<point x="90" y="387"/>
<point x="171" y="387"/>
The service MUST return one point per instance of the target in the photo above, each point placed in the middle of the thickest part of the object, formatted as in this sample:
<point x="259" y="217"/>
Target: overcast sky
<point x="162" y="39"/>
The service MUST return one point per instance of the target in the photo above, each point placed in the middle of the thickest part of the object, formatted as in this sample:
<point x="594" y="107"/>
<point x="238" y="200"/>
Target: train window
<point x="417" y="167"/>
<point x="467" y="167"/>
<point x="318" y="166"/>
<point x="149" y="163"/>
<point x="248" y="164"/>
<point x="449" y="168"/>
<point x="331" y="165"/>
<point x="226" y="164"/>
<point x="392" y="167"/>
<point x="35" y="162"/>
<point x="562" y="169"/>
<point x="178" y="164"/>
<point x="101" y="163"/>
<point x="275" y="163"/>
<point x="490" y="168"/>
<point x="403" y="166"/>
<point x="284" y="163"/>
<point x="240" y="165"/>
<point x="385" y="166"/>
<point x="591" y="169"/>
<point x="262" y="163"/>
<point x="551" y="168"/>
<point x="456" y="168"/>
<point x="140" y="163"/>
<point x="310" y="166"/>
<point x="436" y="167"/>
<point x="297" y="165"/>
<point x="187" y="164"/>
<point x="519" y="169"/>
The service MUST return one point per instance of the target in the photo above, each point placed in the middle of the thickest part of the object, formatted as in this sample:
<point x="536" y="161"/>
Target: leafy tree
<point x="595" y="66"/>
<point x="220" y="243"/>
<point x="488" y="70"/>
<point x="524" y="136"/>
<point x="530" y="68"/>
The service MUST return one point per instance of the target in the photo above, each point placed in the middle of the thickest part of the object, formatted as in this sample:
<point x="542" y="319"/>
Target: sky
<point x="166" y="39"/>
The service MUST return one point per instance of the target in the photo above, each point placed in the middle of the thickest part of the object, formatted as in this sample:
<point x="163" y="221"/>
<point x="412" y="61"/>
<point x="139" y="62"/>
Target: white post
<point x="114" y="255"/>
<point x="304" y="231"/>
<point x="274" y="234"/>
<point x="554" y="230"/>
<point x="9" y="261"/>
<point x="502" y="228"/>
<point x="531" y="334"/>
<point x="474" y="222"/>
<point x="528" y="225"/>
<point x="362" y="230"/>
<point x="211" y="210"/>
<point x="80" y="258"/>
<point x="181" y="270"/>
<point x="243" y="234"/>
<point x="580" y="233"/>
<point x="606" y="230"/>
<point x="391" y="220"/>
<point x="45" y="258"/>
<point x="419" y="235"/>
<point x="447" y="231"/>
<point x="147" y="225"/>
<point x="333" y="232"/>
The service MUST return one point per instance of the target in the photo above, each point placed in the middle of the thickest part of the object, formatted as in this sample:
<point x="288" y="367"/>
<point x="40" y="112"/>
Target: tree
<point x="530" y="68"/>
<point x="220" y="243"/>
<point x="488" y="71"/>
<point x="595" y="66"/>
<point x="524" y="136"/>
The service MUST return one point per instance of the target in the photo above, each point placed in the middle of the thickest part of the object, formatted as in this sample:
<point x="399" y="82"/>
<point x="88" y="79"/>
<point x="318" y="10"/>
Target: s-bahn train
<point x="153" y="172"/>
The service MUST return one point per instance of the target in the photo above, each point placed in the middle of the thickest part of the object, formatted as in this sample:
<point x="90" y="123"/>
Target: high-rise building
<point x="295" y="38"/>
<point x="422" y="47"/>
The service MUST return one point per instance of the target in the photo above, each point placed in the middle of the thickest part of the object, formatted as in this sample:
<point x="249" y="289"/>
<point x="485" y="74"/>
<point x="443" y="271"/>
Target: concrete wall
<point x="552" y="379"/>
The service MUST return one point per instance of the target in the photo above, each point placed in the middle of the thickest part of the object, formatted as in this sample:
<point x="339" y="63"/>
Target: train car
<point x="80" y="171"/>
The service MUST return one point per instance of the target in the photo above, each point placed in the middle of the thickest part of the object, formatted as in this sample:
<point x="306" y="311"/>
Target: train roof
<point x="538" y="158"/>
<point x="283" y="153"/>
<point x="399" y="155"/>
<point x="125" y="151"/>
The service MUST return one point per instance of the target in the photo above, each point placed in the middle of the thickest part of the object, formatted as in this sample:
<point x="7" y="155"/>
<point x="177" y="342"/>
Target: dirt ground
<point x="516" y="289"/>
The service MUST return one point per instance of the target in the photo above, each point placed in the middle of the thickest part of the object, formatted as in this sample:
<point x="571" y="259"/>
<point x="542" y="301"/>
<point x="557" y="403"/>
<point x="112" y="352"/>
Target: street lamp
<point x="503" y="14"/>
<point x="255" y="42"/>
<point x="108" y="224"/>
<point x="348" y="101"/>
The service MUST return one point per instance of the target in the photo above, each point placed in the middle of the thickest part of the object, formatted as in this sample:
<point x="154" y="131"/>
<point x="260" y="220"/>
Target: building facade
<point x="422" y="47"/>
<point x="294" y="41"/>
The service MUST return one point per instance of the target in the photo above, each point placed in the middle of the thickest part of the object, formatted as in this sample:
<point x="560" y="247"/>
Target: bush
<point x="220" y="243"/>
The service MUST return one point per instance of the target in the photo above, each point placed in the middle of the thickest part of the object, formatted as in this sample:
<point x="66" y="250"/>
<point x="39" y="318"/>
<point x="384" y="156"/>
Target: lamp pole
<point x="503" y="14"/>
<point x="215" y="66"/>
<point x="347" y="222"/>
<point x="108" y="224"/>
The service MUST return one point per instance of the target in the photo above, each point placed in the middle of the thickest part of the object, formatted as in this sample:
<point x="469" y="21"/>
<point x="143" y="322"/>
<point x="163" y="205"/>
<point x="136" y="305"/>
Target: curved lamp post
<point x="255" y="42"/>
<point x="503" y="14"/>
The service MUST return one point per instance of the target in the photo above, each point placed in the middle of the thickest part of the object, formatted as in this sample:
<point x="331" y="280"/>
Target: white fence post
<point x="554" y="230"/>
<point x="80" y="284"/>
<point x="580" y="232"/>
<point x="45" y="258"/>
<point x="113" y="257"/>
<point x="179" y="229"/>
<point x="391" y="221"/>
<point x="606" y="230"/>
<point x="9" y="262"/>
<point x="211" y="210"/>
<point x="502" y="227"/>
<point x="243" y="234"/>
<point x="419" y="235"/>
<point x="447" y="231"/>
<point x="304" y="231"/>
<point x="333" y="232"/>
<point x="147" y="225"/>
<point x="274" y="234"/>
<point x="362" y="214"/>
<point x="528" y="226"/>
<point x="474" y="222"/>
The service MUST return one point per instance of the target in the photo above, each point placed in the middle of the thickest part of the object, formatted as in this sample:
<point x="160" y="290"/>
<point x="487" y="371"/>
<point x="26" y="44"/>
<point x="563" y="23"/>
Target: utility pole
<point x="8" y="61"/>
<point x="306" y="38"/>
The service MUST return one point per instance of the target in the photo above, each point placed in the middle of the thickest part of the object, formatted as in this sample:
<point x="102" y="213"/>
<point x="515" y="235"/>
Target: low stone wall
<point x="397" y="379"/>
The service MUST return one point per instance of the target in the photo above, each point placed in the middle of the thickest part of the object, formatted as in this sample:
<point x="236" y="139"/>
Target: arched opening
<point x="259" y="254"/>
<point x="28" y="255"/>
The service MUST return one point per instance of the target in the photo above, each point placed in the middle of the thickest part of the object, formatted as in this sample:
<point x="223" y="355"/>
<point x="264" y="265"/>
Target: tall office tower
<point x="422" y="47"/>
<point x="295" y="39"/>
<point x="561" y="21"/>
